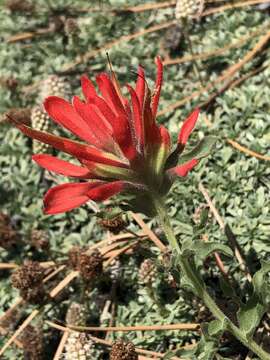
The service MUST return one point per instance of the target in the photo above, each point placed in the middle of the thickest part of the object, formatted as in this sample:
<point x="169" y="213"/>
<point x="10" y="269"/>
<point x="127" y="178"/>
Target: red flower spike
<point x="188" y="126"/>
<point x="123" y="149"/>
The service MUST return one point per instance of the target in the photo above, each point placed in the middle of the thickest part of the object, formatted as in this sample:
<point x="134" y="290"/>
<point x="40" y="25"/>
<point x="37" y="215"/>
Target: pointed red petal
<point x="88" y="88"/>
<point x="188" y="126"/>
<point x="105" y="112"/>
<point x="152" y="134"/>
<point x="158" y="85"/>
<point x="183" y="170"/>
<point x="106" y="190"/>
<point x="110" y="94"/>
<point x="71" y="147"/>
<point x="66" y="197"/>
<point x="121" y="132"/>
<point x="136" y="117"/>
<point x="63" y="113"/>
<point x="140" y="86"/>
<point x="100" y="130"/>
<point x="52" y="163"/>
<point x="69" y="196"/>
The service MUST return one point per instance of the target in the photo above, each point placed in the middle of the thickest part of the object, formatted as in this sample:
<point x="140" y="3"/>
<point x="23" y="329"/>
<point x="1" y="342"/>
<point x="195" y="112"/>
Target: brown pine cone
<point x="28" y="279"/>
<point x="90" y="266"/>
<point x="40" y="239"/>
<point x="8" y="236"/>
<point x="122" y="350"/>
<point x="147" y="272"/>
<point x="33" y="344"/>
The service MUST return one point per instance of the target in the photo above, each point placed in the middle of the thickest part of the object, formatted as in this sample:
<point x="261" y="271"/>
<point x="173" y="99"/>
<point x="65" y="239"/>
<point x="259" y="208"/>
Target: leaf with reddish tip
<point x="184" y="169"/>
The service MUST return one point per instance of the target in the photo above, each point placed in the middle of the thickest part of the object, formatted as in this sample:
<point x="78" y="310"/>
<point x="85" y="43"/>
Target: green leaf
<point x="261" y="284"/>
<point x="186" y="280"/>
<point x="203" y="249"/>
<point x="250" y="315"/>
<point x="189" y="354"/>
<point x="202" y="150"/>
<point x="217" y="327"/>
<point x="207" y="346"/>
<point x="226" y="288"/>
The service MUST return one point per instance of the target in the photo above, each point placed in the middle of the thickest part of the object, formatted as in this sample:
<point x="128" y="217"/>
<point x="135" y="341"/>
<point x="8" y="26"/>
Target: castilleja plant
<point x="122" y="148"/>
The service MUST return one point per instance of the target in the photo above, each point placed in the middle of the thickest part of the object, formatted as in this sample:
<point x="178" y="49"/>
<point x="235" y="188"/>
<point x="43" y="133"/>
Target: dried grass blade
<point x="19" y="330"/>
<point x="61" y="346"/>
<point x="149" y="232"/>
<point x="183" y="327"/>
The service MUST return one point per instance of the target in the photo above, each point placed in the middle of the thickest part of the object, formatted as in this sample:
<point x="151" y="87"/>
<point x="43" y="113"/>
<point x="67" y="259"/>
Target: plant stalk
<point x="199" y="287"/>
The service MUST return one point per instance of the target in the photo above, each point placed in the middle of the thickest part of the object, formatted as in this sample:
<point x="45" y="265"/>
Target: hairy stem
<point x="199" y="287"/>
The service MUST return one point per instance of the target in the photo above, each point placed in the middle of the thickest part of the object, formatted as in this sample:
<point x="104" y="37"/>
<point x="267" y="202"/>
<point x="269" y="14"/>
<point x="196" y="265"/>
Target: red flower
<point x="123" y="147"/>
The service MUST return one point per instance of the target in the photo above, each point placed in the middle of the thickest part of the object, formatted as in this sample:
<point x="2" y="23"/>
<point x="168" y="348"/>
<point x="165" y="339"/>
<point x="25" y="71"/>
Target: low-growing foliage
<point x="144" y="285"/>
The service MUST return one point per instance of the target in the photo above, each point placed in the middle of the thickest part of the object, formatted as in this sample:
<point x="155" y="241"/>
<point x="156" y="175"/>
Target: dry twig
<point x="149" y="232"/>
<point x="185" y="327"/>
<point x="91" y="54"/>
<point x="217" y="52"/>
<point x="225" y="76"/>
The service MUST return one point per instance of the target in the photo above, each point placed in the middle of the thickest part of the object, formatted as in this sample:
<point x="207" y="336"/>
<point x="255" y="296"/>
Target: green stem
<point x="165" y="223"/>
<point x="199" y="286"/>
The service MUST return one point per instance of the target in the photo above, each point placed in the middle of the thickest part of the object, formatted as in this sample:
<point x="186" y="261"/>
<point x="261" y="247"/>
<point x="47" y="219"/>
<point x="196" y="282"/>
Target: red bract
<point x="122" y="147"/>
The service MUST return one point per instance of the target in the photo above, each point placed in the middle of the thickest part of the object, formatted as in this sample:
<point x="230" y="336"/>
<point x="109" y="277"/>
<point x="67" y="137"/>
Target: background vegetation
<point x="229" y="80"/>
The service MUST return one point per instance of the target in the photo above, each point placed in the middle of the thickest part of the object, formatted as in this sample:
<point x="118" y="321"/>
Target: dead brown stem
<point x="232" y="6"/>
<point x="185" y="327"/>
<point x="152" y="236"/>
